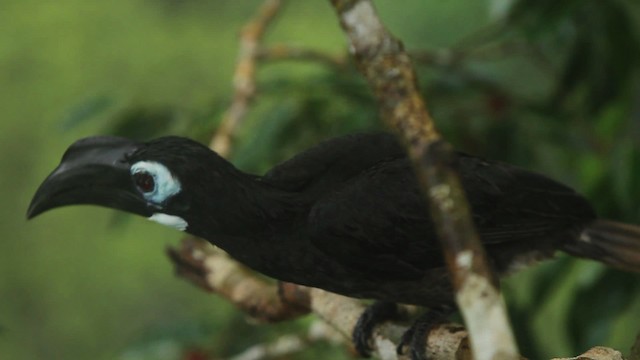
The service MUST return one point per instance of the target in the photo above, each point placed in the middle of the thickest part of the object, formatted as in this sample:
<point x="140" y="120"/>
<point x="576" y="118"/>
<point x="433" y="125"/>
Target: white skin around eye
<point x="166" y="185"/>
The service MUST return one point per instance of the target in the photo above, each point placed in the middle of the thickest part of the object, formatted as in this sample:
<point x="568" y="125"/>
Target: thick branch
<point x="244" y="76"/>
<point x="387" y="67"/>
<point x="597" y="353"/>
<point x="212" y="270"/>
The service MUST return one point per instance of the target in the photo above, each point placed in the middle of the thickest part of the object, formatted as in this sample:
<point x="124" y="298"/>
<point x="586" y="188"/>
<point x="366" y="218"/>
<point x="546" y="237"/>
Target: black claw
<point x="406" y="340"/>
<point x="416" y="337"/>
<point x="377" y="313"/>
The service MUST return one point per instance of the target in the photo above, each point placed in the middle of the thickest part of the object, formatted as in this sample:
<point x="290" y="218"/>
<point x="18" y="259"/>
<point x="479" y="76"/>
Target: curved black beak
<point x="94" y="171"/>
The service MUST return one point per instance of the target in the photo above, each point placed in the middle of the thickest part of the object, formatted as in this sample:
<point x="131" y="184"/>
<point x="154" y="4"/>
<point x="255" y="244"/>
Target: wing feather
<point x="377" y="221"/>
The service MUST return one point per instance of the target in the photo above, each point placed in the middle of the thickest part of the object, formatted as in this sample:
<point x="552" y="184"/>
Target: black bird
<point x="345" y="215"/>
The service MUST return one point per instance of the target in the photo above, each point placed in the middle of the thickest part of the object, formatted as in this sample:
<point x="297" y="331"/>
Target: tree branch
<point x="244" y="76"/>
<point x="212" y="270"/>
<point x="388" y="69"/>
<point x="282" y="52"/>
<point x="290" y="344"/>
<point x="597" y="353"/>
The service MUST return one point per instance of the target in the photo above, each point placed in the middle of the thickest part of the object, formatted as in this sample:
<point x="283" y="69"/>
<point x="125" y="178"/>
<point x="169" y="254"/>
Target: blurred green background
<point x="552" y="86"/>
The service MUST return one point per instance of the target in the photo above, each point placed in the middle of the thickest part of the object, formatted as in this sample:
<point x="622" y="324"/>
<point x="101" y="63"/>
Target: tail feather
<point x="613" y="243"/>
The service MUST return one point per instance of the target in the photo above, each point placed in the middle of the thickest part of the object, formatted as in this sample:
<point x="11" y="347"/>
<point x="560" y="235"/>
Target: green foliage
<point x="603" y="42"/>
<point x="552" y="86"/>
<point x="85" y="111"/>
<point x="287" y="119"/>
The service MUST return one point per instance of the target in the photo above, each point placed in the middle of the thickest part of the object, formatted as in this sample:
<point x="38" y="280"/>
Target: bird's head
<point x="162" y="180"/>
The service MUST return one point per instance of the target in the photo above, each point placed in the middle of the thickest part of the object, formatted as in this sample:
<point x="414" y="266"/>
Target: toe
<point x="415" y="339"/>
<point x="375" y="314"/>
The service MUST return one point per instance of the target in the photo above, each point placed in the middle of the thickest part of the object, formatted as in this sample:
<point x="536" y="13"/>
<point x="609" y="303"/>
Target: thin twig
<point x="455" y="57"/>
<point x="387" y="67"/>
<point x="280" y="52"/>
<point x="244" y="76"/>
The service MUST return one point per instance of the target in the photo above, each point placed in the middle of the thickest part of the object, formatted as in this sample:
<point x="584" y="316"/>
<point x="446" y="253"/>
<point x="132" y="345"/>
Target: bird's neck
<point x="246" y="213"/>
<point x="259" y="225"/>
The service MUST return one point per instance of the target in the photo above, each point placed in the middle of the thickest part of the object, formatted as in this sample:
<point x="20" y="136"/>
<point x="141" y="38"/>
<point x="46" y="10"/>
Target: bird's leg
<point x="416" y="337"/>
<point x="378" y="312"/>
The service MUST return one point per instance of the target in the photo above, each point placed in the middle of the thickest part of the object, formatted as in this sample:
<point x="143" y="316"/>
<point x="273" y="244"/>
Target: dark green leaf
<point x="86" y="110"/>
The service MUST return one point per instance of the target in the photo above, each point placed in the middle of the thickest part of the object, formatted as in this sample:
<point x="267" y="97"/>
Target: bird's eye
<point x="154" y="180"/>
<point x="144" y="181"/>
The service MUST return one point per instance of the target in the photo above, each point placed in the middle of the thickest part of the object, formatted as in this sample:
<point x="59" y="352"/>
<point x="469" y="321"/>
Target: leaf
<point x="535" y="17"/>
<point x="623" y="175"/>
<point x="604" y="55"/>
<point x="142" y="122"/>
<point x="292" y="115"/>
<point x="592" y="171"/>
<point x="85" y="110"/>
<point x="598" y="303"/>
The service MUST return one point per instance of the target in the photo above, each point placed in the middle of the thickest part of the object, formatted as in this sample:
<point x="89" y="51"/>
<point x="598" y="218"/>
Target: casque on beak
<point x="93" y="171"/>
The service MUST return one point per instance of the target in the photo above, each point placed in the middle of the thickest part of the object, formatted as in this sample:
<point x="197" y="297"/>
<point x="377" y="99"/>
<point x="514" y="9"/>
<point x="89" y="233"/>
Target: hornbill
<point x="345" y="216"/>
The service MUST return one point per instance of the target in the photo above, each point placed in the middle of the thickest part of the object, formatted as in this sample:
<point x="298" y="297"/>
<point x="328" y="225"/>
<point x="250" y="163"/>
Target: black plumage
<point x="345" y="215"/>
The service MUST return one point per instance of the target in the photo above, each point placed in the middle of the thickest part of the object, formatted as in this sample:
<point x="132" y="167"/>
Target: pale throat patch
<point x="175" y="222"/>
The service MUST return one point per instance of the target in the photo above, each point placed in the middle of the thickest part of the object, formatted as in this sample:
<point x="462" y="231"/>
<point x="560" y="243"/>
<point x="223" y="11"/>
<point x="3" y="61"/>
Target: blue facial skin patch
<point x="166" y="185"/>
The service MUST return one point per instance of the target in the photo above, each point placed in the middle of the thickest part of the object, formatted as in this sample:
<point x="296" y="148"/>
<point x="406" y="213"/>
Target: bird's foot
<point x="378" y="312"/>
<point x="415" y="339"/>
